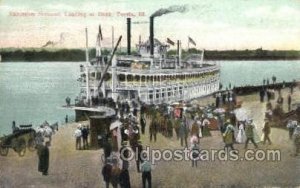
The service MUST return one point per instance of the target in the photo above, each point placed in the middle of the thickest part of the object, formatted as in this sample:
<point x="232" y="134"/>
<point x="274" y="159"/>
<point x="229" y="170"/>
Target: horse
<point x="54" y="127"/>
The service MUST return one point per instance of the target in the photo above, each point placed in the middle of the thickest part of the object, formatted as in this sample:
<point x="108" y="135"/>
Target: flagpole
<point x="112" y="37"/>
<point x="87" y="67"/>
<point x="188" y="44"/>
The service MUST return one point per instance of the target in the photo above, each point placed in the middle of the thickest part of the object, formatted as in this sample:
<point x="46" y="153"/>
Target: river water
<point x="31" y="93"/>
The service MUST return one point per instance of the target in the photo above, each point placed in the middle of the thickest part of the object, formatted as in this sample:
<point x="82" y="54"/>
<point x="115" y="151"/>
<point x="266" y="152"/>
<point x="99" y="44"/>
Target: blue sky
<point x="213" y="24"/>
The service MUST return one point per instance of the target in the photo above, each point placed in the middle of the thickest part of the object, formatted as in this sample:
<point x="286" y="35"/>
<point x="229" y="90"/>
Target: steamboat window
<point x="121" y="77"/>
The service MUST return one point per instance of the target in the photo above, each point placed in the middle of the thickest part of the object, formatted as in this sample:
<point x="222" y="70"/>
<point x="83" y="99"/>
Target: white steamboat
<point x="149" y="76"/>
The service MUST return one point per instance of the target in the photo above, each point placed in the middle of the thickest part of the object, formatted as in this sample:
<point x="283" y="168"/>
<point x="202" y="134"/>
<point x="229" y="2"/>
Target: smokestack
<point x="179" y="52"/>
<point x="128" y="36"/>
<point x="151" y="36"/>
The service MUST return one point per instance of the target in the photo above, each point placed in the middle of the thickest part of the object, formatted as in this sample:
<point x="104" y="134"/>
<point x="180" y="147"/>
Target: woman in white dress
<point x="241" y="136"/>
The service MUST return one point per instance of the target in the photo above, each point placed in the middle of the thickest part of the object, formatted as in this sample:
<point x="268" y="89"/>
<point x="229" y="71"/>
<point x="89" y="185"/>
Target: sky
<point x="212" y="24"/>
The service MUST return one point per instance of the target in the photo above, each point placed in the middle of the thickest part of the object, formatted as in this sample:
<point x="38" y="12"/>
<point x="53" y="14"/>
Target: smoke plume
<point x="174" y="8"/>
<point x="54" y="43"/>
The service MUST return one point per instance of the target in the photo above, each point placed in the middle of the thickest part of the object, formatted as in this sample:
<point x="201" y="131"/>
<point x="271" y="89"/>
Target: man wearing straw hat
<point x="77" y="135"/>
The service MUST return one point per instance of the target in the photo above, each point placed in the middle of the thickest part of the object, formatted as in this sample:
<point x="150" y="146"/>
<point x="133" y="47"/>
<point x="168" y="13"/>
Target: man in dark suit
<point x="43" y="153"/>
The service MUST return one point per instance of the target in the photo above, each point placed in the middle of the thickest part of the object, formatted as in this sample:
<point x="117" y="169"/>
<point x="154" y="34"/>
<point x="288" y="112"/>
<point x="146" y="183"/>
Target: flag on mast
<point x="192" y="41"/>
<point x="100" y="33"/>
<point x="170" y="42"/>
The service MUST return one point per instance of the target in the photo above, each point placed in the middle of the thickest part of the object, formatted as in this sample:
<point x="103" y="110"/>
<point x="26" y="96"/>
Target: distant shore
<point x="77" y="55"/>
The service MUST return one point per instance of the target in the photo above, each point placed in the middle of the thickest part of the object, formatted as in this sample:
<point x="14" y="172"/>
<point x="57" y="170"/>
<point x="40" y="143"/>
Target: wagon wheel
<point x="31" y="144"/>
<point x="21" y="147"/>
<point x="3" y="150"/>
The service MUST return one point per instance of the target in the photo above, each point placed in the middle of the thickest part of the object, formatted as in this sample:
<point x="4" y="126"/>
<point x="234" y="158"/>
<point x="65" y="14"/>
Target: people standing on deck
<point x="14" y="127"/>
<point x="224" y="98"/>
<point x="106" y="173"/>
<point x="153" y="129"/>
<point x="296" y="137"/>
<point x="267" y="130"/>
<point x="66" y="119"/>
<point x="291" y="127"/>
<point x="169" y="127"/>
<point x="183" y="132"/>
<point x="143" y="124"/>
<point x="43" y="155"/>
<point x="262" y="95"/>
<point x="204" y="128"/>
<point x="218" y="98"/>
<point x="78" y="135"/>
<point x="124" y="179"/>
<point x="115" y="173"/>
<point x="289" y="102"/>
<point x="224" y="126"/>
<point x="107" y="148"/>
<point x="177" y="122"/>
<point x="85" y="134"/>
<point x="146" y="172"/>
<point x="249" y="131"/>
<point x="292" y="87"/>
<point x="194" y="150"/>
<point x="124" y="175"/>
<point x="138" y="150"/>
<point x="280" y="100"/>
<point x="195" y="130"/>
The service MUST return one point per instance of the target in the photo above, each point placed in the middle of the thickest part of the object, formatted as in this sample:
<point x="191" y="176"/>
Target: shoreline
<point x="78" y="54"/>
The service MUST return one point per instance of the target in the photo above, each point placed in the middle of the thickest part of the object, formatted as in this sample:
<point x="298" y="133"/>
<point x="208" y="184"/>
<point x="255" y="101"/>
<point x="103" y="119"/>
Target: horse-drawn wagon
<point x="21" y="138"/>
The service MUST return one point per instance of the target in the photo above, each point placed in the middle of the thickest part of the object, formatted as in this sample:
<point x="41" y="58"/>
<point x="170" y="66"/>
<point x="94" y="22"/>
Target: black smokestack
<point x="128" y="36"/>
<point x="161" y="12"/>
<point x="151" y="35"/>
<point x="174" y="8"/>
<point x="178" y="46"/>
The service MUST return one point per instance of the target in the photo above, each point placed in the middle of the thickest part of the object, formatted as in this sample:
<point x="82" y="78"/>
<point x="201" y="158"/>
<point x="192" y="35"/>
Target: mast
<point x="86" y="68"/>
<point x="98" y="43"/>
<point x="178" y="54"/>
<point x="109" y="62"/>
<point x="112" y="37"/>
<point x="202" y="57"/>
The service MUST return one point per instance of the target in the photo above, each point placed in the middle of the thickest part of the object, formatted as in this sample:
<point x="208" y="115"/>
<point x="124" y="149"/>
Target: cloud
<point x="283" y="12"/>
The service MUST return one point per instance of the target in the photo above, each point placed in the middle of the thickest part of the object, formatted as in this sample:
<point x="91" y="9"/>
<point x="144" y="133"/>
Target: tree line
<point x="40" y="55"/>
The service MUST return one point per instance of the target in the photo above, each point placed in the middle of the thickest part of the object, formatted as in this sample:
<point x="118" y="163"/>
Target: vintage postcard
<point x="140" y="93"/>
